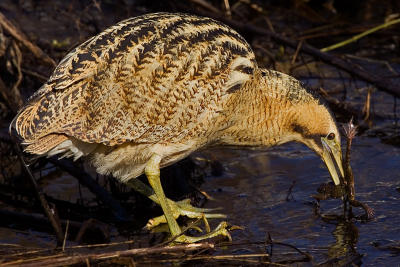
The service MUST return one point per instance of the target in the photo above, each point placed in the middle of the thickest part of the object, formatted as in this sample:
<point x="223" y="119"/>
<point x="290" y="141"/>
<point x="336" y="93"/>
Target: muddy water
<point x="253" y="193"/>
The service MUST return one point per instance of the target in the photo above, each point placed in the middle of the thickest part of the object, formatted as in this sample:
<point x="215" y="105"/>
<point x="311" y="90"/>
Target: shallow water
<point x="253" y="191"/>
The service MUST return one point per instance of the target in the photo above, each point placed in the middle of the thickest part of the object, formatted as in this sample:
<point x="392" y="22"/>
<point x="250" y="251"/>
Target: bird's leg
<point x="152" y="172"/>
<point x="179" y="208"/>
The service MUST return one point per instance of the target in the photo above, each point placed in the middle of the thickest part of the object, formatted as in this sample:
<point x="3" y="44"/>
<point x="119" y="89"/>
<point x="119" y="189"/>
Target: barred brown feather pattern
<point x="152" y="78"/>
<point x="166" y="84"/>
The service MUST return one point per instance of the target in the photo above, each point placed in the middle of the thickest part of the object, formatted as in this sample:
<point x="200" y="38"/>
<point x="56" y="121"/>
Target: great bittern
<point x="152" y="89"/>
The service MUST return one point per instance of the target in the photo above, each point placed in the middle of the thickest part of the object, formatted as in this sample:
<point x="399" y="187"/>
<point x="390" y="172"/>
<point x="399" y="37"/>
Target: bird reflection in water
<point x="343" y="250"/>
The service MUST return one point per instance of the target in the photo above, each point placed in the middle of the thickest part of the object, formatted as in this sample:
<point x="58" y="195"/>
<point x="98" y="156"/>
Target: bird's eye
<point x="330" y="136"/>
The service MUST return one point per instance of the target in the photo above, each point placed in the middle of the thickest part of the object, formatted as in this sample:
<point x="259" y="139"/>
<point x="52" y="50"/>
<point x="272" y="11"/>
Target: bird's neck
<point x="262" y="113"/>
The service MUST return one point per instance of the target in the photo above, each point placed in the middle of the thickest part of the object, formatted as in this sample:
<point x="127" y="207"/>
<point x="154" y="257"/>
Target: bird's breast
<point x="129" y="160"/>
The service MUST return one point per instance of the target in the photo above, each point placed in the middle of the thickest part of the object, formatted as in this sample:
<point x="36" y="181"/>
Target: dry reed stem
<point x="367" y="105"/>
<point x="359" y="36"/>
<point x="18" y="35"/>
<point x="227" y="8"/>
<point x="62" y="259"/>
<point x="50" y="212"/>
<point x="382" y="84"/>
<point x="15" y="94"/>
<point x="231" y="257"/>
<point x="206" y="5"/>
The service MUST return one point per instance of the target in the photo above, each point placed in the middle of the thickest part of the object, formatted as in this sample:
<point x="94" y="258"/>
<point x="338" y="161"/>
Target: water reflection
<point x="346" y="238"/>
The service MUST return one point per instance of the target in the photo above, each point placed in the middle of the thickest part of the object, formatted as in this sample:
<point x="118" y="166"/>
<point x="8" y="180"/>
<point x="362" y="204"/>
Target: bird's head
<point x="305" y="118"/>
<point x="315" y="127"/>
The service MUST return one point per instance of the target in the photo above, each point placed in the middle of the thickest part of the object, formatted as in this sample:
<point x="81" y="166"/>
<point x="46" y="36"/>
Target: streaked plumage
<point x="166" y="84"/>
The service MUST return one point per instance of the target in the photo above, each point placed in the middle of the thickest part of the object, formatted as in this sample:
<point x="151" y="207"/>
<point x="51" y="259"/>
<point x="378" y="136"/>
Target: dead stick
<point x="51" y="215"/>
<point x="5" y="94"/>
<point x="15" y="93"/>
<point x="240" y="257"/>
<point x="382" y="84"/>
<point x="40" y="77"/>
<point x="206" y="5"/>
<point x="33" y="219"/>
<point x="18" y="35"/>
<point x="349" y="108"/>
<point x="85" y="179"/>
<point x="62" y="259"/>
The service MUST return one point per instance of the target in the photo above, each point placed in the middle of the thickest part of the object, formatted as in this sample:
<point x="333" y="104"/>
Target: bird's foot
<point x="220" y="230"/>
<point x="184" y="208"/>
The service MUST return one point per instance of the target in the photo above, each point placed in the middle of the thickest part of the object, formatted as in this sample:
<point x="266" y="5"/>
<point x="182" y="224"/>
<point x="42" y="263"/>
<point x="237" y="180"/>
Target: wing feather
<point x="153" y="78"/>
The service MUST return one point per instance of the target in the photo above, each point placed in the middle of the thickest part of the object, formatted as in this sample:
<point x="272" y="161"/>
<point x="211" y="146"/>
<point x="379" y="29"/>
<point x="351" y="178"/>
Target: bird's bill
<point x="332" y="156"/>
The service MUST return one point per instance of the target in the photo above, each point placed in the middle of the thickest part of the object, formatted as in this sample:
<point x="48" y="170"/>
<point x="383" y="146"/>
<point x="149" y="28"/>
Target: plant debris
<point x="346" y="190"/>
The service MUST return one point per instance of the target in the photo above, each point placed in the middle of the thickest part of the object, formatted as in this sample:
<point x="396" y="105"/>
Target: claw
<point x="198" y="229"/>
<point x="236" y="227"/>
<point x="206" y="224"/>
<point x="173" y="210"/>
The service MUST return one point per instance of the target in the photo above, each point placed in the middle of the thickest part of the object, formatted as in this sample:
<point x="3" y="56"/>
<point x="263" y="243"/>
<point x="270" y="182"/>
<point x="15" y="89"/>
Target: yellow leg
<point x="178" y="208"/>
<point x="152" y="172"/>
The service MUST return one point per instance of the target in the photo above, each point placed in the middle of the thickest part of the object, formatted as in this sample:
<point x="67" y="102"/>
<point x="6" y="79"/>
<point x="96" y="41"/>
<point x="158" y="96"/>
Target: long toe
<point x="185" y="205"/>
<point x="220" y="230"/>
<point x="184" y="208"/>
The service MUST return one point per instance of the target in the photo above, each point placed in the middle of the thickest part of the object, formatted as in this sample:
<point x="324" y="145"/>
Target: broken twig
<point x="18" y="35"/>
<point x="50" y="212"/>
<point x="65" y="259"/>
<point x="119" y="212"/>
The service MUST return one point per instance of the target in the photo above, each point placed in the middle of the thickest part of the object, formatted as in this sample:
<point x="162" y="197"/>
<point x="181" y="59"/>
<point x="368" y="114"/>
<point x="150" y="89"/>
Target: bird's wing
<point x="150" y="78"/>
